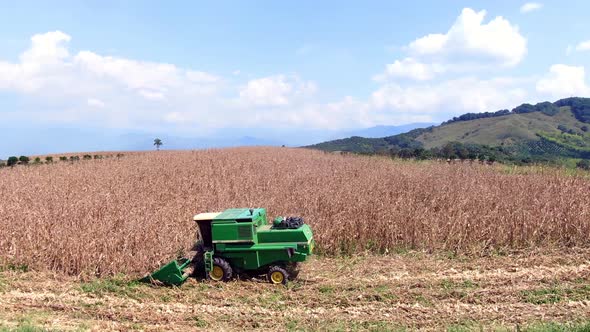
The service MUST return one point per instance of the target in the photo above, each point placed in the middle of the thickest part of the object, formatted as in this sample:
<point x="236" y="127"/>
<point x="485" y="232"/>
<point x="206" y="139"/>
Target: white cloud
<point x="471" y="40"/>
<point x="68" y="84"/>
<point x="87" y="87"/>
<point x="175" y="117"/>
<point x="46" y="48"/>
<point x="583" y="46"/>
<point x="38" y="65"/>
<point x="564" y="81"/>
<point x="350" y="112"/>
<point x="141" y="94"/>
<point x="412" y="69"/>
<point x="152" y="95"/>
<point x="453" y="96"/>
<point x="279" y="90"/>
<point x="271" y="91"/>
<point x="530" y="6"/>
<point x="469" y="45"/>
<point x="48" y="68"/>
<point x="429" y="44"/>
<point x="133" y="74"/>
<point x="202" y="77"/>
<point x="93" y="102"/>
<point x="346" y="113"/>
<point x="394" y="103"/>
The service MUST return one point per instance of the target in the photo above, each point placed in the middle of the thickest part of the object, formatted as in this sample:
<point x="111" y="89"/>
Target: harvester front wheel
<point x="221" y="271"/>
<point x="277" y="275"/>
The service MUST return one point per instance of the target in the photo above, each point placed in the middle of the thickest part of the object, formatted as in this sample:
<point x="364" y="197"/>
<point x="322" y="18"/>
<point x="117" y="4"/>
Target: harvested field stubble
<point x="360" y="293"/>
<point x="132" y="214"/>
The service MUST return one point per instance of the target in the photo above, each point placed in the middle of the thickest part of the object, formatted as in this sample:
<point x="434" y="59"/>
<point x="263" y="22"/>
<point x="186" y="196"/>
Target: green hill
<point x="542" y="132"/>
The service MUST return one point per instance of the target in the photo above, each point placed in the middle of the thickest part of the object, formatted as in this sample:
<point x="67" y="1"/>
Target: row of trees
<point x="14" y="160"/>
<point x="546" y="108"/>
<point x="583" y="164"/>
<point x="451" y="150"/>
<point x="24" y="160"/>
<point x="579" y="106"/>
<point x="457" y="150"/>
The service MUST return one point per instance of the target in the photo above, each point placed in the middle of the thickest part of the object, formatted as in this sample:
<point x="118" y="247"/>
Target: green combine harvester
<point x="242" y="241"/>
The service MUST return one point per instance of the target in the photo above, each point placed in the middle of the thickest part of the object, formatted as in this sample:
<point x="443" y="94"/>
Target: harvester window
<point x="205" y="230"/>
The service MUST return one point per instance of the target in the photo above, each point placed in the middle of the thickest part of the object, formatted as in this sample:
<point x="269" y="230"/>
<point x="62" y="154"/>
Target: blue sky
<point x="184" y="67"/>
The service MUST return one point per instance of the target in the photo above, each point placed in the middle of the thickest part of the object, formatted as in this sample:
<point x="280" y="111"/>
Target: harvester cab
<point x="242" y="241"/>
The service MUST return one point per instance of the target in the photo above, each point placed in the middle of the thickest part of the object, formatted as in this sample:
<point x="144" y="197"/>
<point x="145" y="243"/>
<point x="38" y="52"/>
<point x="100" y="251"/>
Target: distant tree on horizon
<point x="583" y="164"/>
<point x="13" y="160"/>
<point x="158" y="143"/>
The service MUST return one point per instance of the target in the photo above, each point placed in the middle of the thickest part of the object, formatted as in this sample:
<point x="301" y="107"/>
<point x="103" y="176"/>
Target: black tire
<point x="277" y="275"/>
<point x="222" y="271"/>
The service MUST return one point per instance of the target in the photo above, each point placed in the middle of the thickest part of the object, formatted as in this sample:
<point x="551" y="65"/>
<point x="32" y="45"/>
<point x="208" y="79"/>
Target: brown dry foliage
<point x="132" y="214"/>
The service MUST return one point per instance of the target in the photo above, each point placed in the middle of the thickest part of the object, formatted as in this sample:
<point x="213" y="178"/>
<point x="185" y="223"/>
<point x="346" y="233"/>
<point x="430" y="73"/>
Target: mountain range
<point x="542" y="132"/>
<point x="48" y="139"/>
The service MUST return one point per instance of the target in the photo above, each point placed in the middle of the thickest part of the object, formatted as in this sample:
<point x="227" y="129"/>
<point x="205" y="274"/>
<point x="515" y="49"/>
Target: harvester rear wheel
<point x="221" y="271"/>
<point x="277" y="275"/>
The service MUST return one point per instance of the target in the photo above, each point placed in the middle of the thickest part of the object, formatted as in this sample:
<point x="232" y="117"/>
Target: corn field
<point x="129" y="215"/>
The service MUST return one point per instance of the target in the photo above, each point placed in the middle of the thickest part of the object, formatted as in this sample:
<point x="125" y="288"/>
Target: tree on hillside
<point x="406" y="153"/>
<point x="448" y="151"/>
<point x="583" y="164"/>
<point x="24" y="160"/>
<point x="158" y="143"/>
<point x="12" y="161"/>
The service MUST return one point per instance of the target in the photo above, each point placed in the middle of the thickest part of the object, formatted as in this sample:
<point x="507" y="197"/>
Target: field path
<point x="414" y="291"/>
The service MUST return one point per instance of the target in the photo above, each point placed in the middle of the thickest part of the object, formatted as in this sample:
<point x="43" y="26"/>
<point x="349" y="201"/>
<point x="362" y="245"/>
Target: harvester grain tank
<point x="243" y="241"/>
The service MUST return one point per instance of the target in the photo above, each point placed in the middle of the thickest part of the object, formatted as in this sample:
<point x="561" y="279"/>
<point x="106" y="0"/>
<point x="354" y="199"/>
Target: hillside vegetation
<point x="541" y="132"/>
